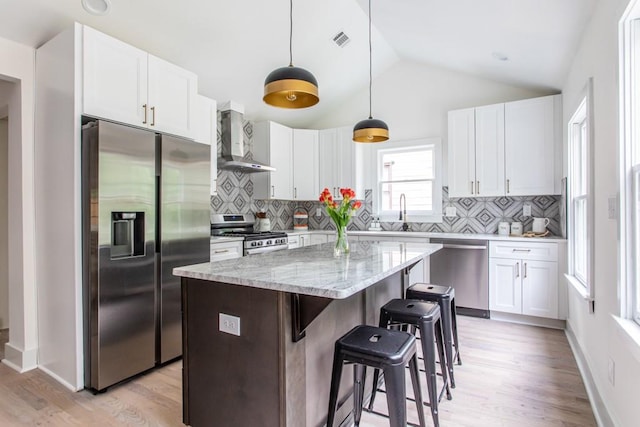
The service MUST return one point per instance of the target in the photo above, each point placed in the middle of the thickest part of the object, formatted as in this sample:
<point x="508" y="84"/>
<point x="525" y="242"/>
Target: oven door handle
<point x="254" y="251"/>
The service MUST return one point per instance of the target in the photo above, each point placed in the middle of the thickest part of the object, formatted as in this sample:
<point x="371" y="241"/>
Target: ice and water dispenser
<point x="127" y="234"/>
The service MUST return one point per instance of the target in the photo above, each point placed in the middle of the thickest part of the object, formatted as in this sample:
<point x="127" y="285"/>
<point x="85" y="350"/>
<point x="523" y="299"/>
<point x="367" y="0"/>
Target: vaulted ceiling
<point x="233" y="45"/>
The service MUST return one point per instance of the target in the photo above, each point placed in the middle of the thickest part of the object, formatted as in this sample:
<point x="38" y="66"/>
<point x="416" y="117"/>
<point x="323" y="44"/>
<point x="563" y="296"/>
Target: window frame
<point x="629" y="161"/>
<point x="433" y="216"/>
<point x="580" y="189"/>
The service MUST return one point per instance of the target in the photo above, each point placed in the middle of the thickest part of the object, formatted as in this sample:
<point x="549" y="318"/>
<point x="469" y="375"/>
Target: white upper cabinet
<point x="511" y="149"/>
<point x="531" y="140"/>
<point x="305" y="164"/>
<point x="476" y="151"/>
<point x="490" y="150"/>
<point x="205" y="132"/>
<point x="273" y="145"/>
<point x="127" y="85"/>
<point x="462" y="153"/>
<point x="115" y="79"/>
<point x="338" y="165"/>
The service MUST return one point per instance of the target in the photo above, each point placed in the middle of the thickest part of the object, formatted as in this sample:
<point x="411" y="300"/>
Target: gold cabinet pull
<point x="153" y="116"/>
<point x="144" y="107"/>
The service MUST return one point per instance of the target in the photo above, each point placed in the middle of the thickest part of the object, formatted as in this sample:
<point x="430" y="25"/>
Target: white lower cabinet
<point x="524" y="278"/>
<point x="318" y="239"/>
<point x="226" y="250"/>
<point x="298" y="240"/>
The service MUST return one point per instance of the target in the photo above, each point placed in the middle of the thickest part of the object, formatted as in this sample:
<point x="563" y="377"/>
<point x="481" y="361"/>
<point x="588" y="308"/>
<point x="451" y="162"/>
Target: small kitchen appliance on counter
<point x="255" y="241"/>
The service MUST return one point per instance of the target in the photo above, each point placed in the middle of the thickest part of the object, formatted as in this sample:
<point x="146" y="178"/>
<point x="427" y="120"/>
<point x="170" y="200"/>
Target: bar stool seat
<point x="446" y="298"/>
<point x="384" y="349"/>
<point x="424" y="316"/>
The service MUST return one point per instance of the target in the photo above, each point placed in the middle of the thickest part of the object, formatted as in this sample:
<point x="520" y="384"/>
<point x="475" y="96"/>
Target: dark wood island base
<point x="275" y="373"/>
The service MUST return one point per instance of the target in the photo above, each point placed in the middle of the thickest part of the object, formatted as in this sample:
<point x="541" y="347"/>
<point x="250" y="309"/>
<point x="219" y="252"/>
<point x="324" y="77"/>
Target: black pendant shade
<point x="291" y="87"/>
<point x="370" y="130"/>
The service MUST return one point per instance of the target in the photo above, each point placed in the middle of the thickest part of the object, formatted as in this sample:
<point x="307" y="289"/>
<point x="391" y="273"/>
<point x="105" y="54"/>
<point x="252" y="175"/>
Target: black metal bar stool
<point x="445" y="297"/>
<point x="426" y="317"/>
<point x="379" y="348"/>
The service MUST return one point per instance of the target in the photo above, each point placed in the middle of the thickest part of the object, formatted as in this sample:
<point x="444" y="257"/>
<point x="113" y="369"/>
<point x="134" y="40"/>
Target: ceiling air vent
<point x="341" y="39"/>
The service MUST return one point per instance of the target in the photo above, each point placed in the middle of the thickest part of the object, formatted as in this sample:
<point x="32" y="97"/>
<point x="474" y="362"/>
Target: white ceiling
<point x="233" y="45"/>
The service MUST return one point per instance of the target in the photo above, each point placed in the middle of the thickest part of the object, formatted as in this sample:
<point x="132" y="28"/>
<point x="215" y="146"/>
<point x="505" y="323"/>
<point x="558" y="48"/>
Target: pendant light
<point x="370" y="130"/>
<point x="291" y="87"/>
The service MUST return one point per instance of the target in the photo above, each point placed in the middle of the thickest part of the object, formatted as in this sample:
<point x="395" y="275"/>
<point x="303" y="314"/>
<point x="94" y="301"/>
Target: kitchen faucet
<point x="403" y="213"/>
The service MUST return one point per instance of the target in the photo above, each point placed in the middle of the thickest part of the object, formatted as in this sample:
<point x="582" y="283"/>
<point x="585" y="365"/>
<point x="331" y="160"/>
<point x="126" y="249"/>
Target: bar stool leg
<point x="359" y="375"/>
<point x="336" y="375"/>
<point x="446" y="330"/>
<point x="417" y="392"/>
<point x="443" y="369"/>
<point x="454" y="321"/>
<point x="396" y="395"/>
<point x="383" y="323"/>
<point x="429" y="358"/>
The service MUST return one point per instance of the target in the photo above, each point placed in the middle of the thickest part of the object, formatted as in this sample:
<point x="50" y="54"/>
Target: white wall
<point x="413" y="99"/>
<point x="4" y="228"/>
<point x="17" y="66"/>
<point x="596" y="333"/>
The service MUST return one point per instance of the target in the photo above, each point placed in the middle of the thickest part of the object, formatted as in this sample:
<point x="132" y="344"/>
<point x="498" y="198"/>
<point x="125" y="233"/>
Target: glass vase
<point x="342" y="243"/>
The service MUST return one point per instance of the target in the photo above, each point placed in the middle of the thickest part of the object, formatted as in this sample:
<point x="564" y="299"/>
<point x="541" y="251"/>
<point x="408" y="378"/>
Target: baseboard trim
<point x="528" y="320"/>
<point x="20" y="360"/>
<point x="603" y="418"/>
<point x="59" y="379"/>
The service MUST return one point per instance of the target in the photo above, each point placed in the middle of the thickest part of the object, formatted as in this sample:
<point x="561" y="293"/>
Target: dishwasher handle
<point x="475" y="247"/>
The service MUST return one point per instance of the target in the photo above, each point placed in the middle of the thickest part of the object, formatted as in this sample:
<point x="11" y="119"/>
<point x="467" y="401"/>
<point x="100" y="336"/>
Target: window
<point x="579" y="200"/>
<point x="630" y="163"/>
<point x="410" y="168"/>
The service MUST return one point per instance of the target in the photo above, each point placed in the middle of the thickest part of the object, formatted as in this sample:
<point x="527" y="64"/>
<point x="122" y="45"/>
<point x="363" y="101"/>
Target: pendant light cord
<point x="370" y="67"/>
<point x="290" y="33"/>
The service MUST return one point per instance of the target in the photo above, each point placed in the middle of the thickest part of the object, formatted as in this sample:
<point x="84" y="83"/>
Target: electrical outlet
<point x="611" y="371"/>
<point x="526" y="210"/>
<point x="229" y="324"/>
<point x="450" y="211"/>
<point x="318" y="212"/>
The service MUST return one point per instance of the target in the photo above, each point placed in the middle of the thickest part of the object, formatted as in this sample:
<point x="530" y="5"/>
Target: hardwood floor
<point x="512" y="375"/>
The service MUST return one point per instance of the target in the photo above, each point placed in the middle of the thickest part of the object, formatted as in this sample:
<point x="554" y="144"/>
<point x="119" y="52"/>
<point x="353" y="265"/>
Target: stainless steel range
<point x="255" y="242"/>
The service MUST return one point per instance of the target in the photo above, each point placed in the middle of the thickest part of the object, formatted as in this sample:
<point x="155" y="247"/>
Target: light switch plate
<point x="229" y="324"/>
<point x="450" y="211"/>
<point x="526" y="210"/>
<point x="318" y="212"/>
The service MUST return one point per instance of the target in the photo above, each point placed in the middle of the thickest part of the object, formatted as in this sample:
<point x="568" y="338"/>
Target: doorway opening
<point x="4" y="227"/>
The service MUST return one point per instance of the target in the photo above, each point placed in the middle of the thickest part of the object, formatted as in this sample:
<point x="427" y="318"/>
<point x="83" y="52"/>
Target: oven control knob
<point x="253" y="243"/>
<point x="269" y="242"/>
<point x="259" y="243"/>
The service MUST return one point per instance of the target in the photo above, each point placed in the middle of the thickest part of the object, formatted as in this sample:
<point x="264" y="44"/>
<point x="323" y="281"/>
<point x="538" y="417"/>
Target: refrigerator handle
<point x="158" y="204"/>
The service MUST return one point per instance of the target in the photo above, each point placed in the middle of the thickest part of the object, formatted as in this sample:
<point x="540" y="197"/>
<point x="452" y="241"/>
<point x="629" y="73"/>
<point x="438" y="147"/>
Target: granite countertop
<point x="431" y="235"/>
<point x="313" y="270"/>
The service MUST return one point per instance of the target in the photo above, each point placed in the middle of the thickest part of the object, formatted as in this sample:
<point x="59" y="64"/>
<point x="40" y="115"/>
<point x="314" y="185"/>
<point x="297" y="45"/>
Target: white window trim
<point x="436" y="217"/>
<point x="587" y="283"/>
<point x="626" y="265"/>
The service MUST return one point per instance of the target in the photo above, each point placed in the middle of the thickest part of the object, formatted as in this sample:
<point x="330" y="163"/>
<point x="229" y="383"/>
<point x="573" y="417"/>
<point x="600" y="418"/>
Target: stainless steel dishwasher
<point x="464" y="264"/>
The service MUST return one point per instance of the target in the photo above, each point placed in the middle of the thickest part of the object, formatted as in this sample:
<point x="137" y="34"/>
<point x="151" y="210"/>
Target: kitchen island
<point x="287" y="308"/>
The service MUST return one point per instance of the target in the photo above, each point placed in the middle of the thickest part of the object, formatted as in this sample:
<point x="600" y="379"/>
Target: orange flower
<point x="357" y="204"/>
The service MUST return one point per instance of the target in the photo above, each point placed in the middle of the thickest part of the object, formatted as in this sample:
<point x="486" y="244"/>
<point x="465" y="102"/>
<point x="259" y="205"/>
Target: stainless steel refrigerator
<point x="145" y="211"/>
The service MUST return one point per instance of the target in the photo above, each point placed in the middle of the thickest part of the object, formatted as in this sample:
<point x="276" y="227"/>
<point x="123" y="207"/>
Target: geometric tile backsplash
<point x="473" y="214"/>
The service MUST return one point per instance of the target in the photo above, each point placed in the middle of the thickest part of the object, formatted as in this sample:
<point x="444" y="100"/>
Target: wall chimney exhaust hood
<point x="231" y="129"/>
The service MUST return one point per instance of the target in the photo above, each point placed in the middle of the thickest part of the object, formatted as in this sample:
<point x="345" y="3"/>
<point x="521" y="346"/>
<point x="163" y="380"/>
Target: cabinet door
<point x="505" y="290"/>
<point x="280" y="139"/>
<point x="462" y="153"/>
<point x="489" y="151"/>
<point x="540" y="289"/>
<point x="345" y="158"/>
<point x="326" y="160"/>
<point x="305" y="239"/>
<point x="225" y="250"/>
<point x="305" y="164"/>
<point x="172" y="98"/>
<point x="530" y="146"/>
<point x="205" y="132"/>
<point x="114" y="79"/>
